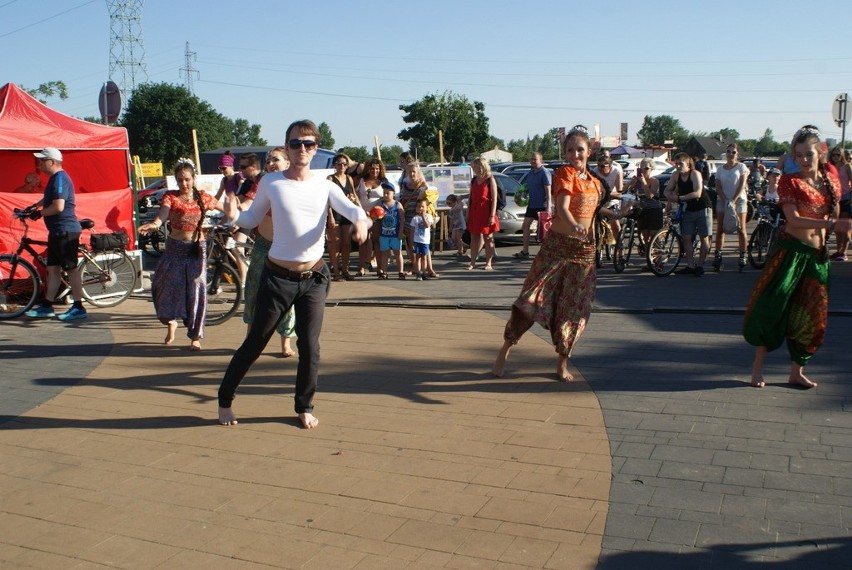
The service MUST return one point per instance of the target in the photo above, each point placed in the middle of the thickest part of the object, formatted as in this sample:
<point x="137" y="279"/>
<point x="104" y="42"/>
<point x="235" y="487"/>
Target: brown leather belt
<point x="291" y="275"/>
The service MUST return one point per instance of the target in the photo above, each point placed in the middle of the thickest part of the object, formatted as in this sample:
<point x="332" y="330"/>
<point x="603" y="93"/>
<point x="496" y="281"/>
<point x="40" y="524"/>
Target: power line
<point x="43" y="20"/>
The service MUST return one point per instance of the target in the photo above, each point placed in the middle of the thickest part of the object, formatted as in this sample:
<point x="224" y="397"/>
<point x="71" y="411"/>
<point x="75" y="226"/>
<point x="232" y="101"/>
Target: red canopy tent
<point x="96" y="157"/>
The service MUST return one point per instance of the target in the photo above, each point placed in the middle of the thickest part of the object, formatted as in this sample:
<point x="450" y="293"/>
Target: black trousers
<point x="275" y="296"/>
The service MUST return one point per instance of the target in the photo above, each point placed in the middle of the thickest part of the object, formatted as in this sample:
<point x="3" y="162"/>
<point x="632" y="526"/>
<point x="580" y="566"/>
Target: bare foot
<point x="286" y="350"/>
<point x="800" y="379"/>
<point x="195" y="345"/>
<point x="227" y="417"/>
<point x="308" y="420"/>
<point x="500" y="362"/>
<point x="562" y="372"/>
<point x="170" y="333"/>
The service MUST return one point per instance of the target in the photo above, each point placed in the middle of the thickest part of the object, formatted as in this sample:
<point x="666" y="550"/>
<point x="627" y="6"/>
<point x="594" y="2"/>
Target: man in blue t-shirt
<point x="63" y="237"/>
<point x="538" y="186"/>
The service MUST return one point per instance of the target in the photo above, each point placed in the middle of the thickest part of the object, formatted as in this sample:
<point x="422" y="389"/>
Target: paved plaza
<point x="658" y="456"/>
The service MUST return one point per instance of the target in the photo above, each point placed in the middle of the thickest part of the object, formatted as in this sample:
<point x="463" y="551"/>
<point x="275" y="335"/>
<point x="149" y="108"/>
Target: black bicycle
<point x="107" y="272"/>
<point x="666" y="247"/>
<point x="770" y="219"/>
<point x="224" y="285"/>
<point x="627" y="237"/>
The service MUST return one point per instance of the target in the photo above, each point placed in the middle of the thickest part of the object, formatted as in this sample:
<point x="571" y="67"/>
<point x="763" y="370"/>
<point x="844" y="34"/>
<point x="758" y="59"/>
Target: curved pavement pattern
<point x="424" y="461"/>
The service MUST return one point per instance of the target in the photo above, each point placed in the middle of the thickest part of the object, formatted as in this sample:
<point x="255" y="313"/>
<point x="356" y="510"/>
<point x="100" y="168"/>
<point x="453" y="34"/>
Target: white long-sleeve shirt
<point x="299" y="212"/>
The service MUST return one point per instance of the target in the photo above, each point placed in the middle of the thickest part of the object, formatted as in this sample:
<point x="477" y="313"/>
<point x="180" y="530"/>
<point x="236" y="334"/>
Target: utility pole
<point x="127" y="67"/>
<point x="187" y="71"/>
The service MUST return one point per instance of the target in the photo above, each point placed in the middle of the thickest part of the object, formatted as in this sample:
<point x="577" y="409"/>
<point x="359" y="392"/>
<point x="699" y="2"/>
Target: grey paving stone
<point x="674" y="532"/>
<point x="629" y="526"/>
<point x="635" y="466"/>
<point x="827" y="468"/>
<point x="685" y="454"/>
<point x="752" y="507"/>
<point x="629" y="449"/>
<point x="731" y="458"/>
<point x="802" y="512"/>
<point x="658" y="512"/>
<point x="692" y="472"/>
<point x="770" y="462"/>
<point x="630" y="493"/>
<point x="687" y="500"/>
<point x="744" y="477"/>
<point x="796" y="482"/>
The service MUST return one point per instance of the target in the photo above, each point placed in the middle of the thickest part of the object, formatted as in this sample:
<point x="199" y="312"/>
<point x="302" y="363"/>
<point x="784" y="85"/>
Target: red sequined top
<point x="584" y="190"/>
<point x="810" y="202"/>
<point x="184" y="214"/>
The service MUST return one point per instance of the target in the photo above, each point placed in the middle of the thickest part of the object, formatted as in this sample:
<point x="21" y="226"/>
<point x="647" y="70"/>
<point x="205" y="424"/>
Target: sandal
<point x="402" y="275"/>
<point x="381" y="274"/>
<point x="347" y="276"/>
<point x="521" y="255"/>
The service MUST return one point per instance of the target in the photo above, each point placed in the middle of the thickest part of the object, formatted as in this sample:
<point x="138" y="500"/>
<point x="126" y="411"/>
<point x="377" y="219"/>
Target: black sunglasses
<point x="730" y="152"/>
<point x="296" y="143"/>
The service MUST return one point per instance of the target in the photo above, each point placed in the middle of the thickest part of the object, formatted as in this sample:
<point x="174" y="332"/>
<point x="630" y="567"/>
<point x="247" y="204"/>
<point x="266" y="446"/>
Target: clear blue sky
<point x="748" y="65"/>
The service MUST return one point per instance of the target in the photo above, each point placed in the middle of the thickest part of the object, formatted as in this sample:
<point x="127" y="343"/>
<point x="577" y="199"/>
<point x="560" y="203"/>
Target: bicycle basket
<point x="115" y="240"/>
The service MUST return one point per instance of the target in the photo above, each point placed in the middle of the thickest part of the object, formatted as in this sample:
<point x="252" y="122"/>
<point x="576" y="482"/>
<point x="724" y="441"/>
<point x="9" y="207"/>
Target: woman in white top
<point x="731" y="187"/>
<point x="370" y="194"/>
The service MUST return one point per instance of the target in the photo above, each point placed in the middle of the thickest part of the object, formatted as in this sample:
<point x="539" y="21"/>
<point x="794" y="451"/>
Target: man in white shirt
<point x="295" y="273"/>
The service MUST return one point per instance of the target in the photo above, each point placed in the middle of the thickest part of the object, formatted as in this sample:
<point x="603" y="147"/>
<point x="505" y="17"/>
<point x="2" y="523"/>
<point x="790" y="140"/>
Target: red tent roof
<point x="25" y="123"/>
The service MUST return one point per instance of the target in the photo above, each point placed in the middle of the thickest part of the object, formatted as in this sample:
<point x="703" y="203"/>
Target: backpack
<point x="501" y="196"/>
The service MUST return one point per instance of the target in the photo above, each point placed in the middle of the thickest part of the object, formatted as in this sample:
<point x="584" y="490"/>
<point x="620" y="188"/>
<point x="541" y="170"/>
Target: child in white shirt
<point x="421" y="226"/>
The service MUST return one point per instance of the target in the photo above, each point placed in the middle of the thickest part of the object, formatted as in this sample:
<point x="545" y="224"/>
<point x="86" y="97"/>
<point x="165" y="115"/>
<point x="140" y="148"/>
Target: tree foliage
<point x="390" y="153"/>
<point x="326" y="139"/>
<point x="463" y="123"/>
<point x="160" y="117"/>
<point x="49" y="89"/>
<point x="547" y="144"/>
<point x="726" y="133"/>
<point x="356" y="153"/>
<point x="657" y="130"/>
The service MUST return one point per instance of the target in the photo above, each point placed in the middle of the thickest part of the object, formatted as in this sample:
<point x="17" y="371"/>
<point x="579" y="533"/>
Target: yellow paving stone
<point x="333" y="557"/>
<point x="570" y="557"/>
<point x="430" y="536"/>
<point x="487" y="545"/>
<point x="445" y="502"/>
<point x="513" y="510"/>
<point x="529" y="551"/>
<point x="577" y="520"/>
<point x="193" y="560"/>
<point x="125" y="552"/>
<point x="558" y="484"/>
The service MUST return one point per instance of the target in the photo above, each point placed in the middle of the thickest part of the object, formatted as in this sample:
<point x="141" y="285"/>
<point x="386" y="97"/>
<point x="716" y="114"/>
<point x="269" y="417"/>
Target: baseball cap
<point x="774" y="171"/>
<point x="388" y="186"/>
<point x="49" y="152"/>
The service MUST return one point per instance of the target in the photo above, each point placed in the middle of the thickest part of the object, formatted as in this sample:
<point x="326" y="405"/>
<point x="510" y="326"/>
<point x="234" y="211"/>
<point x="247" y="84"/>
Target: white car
<point x="632" y="165"/>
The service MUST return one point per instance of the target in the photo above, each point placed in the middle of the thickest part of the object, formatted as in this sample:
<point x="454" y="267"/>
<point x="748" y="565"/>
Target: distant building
<point x="714" y="147"/>
<point x="497" y="155"/>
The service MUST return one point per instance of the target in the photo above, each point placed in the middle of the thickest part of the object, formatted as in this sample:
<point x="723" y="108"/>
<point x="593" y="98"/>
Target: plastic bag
<point x="731" y="223"/>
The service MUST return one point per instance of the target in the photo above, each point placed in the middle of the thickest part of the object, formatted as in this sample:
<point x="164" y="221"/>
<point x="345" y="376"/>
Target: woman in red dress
<point x="482" y="219"/>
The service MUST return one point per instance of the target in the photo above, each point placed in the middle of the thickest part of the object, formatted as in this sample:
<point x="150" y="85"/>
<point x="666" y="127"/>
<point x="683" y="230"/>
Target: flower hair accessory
<point x="578" y="130"/>
<point x="807" y="130"/>
<point x="182" y="162"/>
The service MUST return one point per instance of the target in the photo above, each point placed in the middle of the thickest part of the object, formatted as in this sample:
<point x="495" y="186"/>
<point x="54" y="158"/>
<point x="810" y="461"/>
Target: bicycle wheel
<point x="758" y="245"/>
<point x="224" y="292"/>
<point x="19" y="286"/>
<point x="108" y="278"/>
<point x="623" y="245"/>
<point x="665" y="251"/>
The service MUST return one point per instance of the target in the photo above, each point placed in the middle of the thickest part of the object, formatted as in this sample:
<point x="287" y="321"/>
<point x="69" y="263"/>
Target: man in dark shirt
<point x="63" y="237"/>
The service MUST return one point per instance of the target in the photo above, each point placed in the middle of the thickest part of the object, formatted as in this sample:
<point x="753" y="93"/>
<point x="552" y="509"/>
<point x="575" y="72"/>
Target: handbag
<point x="115" y="240"/>
<point x="545" y="220"/>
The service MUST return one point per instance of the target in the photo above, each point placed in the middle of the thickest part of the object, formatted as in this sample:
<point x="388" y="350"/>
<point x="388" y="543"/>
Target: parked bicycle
<point x="152" y="243"/>
<point x="666" y="247"/>
<point x="627" y="237"/>
<point x="224" y="285"/>
<point x="108" y="273"/>
<point x="770" y="220"/>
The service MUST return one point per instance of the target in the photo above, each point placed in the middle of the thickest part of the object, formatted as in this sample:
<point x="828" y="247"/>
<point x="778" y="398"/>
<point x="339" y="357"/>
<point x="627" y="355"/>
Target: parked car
<point x="632" y="164"/>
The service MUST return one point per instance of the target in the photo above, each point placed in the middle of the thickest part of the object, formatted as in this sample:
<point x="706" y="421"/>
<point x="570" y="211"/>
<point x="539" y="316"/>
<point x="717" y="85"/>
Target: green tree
<point x="463" y="123"/>
<point x="326" y="139"/>
<point x="657" y="130"/>
<point x="726" y="133"/>
<point x="390" y="153"/>
<point x="356" y="153"/>
<point x="49" y="89"/>
<point x="768" y="146"/>
<point x="160" y="117"/>
<point x="246" y="134"/>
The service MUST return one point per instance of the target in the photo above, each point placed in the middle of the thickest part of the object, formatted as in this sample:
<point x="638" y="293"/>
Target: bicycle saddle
<point x="87" y="224"/>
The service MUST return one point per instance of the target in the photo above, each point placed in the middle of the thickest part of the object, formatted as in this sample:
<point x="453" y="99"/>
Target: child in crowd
<point x="422" y="236"/>
<point x="390" y="238"/>
<point x="457" y="222"/>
